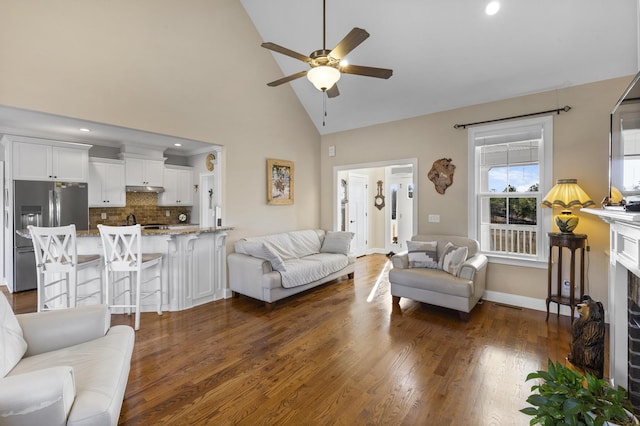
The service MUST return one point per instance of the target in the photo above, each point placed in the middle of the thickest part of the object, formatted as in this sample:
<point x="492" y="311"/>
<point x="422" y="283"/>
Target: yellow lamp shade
<point x="567" y="194"/>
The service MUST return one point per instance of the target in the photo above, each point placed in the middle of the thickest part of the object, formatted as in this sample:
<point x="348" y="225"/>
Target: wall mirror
<point x="624" y="151"/>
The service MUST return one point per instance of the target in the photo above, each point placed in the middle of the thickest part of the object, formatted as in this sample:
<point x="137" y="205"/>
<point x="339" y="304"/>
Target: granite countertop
<point x="173" y="230"/>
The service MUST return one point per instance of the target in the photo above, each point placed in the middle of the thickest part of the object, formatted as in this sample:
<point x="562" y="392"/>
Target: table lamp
<point x="567" y="194"/>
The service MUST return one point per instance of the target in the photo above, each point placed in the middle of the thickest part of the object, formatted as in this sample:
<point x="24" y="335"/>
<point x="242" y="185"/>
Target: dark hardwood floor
<point x="335" y="355"/>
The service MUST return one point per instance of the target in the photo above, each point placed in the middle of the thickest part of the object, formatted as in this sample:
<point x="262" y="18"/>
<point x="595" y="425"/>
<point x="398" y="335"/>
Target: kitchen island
<point x="193" y="264"/>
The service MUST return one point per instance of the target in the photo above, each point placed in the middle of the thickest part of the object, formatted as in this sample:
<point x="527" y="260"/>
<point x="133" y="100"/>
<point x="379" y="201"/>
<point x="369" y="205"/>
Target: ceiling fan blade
<point x="285" y="51"/>
<point x="367" y="71"/>
<point x="348" y="43"/>
<point x="287" y="79"/>
<point x="333" y="92"/>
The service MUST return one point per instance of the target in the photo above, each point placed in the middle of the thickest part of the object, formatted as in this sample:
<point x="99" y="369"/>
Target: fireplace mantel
<point x="624" y="257"/>
<point x="614" y="214"/>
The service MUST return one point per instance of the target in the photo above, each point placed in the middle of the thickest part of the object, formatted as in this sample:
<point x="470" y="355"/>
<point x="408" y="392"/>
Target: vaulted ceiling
<point x="448" y="54"/>
<point x="444" y="55"/>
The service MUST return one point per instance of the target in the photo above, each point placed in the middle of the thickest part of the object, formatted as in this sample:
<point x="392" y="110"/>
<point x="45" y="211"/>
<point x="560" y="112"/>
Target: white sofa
<point x="272" y="267"/>
<point x="440" y="278"/>
<point x="62" y="367"/>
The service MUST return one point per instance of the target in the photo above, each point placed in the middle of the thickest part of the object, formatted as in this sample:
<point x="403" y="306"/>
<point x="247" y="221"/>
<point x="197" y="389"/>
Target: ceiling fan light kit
<point x="325" y="64"/>
<point x="323" y="77"/>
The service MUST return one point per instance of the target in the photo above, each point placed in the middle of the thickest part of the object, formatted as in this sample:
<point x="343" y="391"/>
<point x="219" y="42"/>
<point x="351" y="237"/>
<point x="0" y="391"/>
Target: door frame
<point x="375" y="164"/>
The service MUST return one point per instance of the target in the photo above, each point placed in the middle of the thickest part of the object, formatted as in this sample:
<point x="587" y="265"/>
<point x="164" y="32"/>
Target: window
<point x="511" y="171"/>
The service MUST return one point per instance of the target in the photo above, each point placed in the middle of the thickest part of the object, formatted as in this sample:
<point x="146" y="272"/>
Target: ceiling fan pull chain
<point x="324" y="107"/>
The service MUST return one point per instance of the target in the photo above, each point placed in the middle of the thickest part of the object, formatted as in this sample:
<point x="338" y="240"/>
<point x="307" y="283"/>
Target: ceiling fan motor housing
<point x="321" y="58"/>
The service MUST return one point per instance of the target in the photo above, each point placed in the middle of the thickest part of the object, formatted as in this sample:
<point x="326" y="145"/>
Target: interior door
<point x="358" y="202"/>
<point x="400" y="193"/>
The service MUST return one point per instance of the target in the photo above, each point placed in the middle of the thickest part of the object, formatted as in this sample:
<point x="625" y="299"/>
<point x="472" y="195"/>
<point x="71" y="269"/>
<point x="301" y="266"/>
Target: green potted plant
<point x="565" y="397"/>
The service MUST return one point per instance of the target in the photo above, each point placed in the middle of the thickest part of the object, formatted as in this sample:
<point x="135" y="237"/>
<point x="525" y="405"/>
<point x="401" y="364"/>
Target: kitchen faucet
<point x="133" y="216"/>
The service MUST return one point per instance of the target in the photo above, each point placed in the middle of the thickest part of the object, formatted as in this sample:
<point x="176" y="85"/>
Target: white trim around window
<point x="539" y="128"/>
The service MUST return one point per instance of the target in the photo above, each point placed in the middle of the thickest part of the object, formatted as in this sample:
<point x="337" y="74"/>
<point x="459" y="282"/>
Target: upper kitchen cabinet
<point x="143" y="172"/>
<point x="178" y="186"/>
<point x="41" y="159"/>
<point x="106" y="183"/>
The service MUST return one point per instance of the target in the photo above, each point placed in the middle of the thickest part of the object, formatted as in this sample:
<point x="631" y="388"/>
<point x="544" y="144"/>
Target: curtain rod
<point x="557" y="111"/>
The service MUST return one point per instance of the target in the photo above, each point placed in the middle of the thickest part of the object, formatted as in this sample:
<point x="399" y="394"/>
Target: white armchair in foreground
<point x="63" y="367"/>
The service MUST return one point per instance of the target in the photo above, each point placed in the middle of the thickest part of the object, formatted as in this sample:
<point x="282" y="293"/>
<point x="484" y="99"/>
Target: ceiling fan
<point x="325" y="64"/>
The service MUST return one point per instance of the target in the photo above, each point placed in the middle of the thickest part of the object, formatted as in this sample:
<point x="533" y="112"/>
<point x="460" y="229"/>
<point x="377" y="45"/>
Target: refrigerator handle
<point x="52" y="208"/>
<point x="56" y="203"/>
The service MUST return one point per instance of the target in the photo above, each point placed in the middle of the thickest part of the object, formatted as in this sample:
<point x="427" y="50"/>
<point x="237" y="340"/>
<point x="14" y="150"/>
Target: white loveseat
<point x="62" y="367"/>
<point x="441" y="270"/>
<point x="272" y="267"/>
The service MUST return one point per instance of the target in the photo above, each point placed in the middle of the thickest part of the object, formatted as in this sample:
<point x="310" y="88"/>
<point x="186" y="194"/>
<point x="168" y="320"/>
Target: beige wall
<point x="194" y="70"/>
<point x="580" y="151"/>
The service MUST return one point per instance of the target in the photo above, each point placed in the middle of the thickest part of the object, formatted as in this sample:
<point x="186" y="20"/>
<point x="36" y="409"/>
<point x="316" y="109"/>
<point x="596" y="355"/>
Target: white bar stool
<point x="122" y="247"/>
<point x="58" y="263"/>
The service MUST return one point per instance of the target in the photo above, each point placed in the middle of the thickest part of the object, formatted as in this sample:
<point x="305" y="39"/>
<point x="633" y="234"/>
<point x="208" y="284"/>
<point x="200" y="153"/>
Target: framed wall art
<point x="279" y="181"/>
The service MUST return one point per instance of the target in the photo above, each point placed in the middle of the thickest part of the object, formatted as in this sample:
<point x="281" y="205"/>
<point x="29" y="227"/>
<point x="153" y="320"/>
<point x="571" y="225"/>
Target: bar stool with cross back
<point x="124" y="263"/>
<point x="58" y="263"/>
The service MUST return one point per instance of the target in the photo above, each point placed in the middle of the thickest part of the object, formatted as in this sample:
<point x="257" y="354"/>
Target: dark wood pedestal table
<point x="573" y="242"/>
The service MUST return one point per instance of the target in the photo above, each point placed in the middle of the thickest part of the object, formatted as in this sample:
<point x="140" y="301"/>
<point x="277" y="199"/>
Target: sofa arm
<point x="471" y="266"/>
<point x="52" y="330"/>
<point x="400" y="260"/>
<point x="246" y="274"/>
<point x="41" y="397"/>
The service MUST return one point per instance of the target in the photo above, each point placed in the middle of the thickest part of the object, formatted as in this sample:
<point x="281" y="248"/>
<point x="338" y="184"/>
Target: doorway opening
<point x="378" y="203"/>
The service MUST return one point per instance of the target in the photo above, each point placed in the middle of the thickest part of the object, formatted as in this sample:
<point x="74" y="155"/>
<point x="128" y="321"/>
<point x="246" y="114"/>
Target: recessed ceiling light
<point x="492" y="8"/>
<point x="84" y="129"/>
<point x="177" y="144"/>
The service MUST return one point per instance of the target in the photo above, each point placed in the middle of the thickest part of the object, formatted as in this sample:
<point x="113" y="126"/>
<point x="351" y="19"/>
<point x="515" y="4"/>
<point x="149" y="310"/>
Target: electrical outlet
<point x="434" y="218"/>
<point x="103" y="216"/>
<point x="167" y="213"/>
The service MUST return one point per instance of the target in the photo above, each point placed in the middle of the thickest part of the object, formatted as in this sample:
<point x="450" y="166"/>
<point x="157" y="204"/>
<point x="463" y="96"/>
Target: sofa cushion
<point x="312" y="268"/>
<point x="12" y="344"/>
<point x="337" y="242"/>
<point x="422" y="254"/>
<point x="452" y="258"/>
<point x="288" y="245"/>
<point x="433" y="280"/>
<point x="264" y="250"/>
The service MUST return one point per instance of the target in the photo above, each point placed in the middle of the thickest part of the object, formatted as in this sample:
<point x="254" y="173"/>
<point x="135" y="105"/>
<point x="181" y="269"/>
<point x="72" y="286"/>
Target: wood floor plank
<point x="340" y="354"/>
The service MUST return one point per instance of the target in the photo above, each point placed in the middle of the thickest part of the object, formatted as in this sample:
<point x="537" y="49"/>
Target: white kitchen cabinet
<point x="143" y="172"/>
<point x="178" y="186"/>
<point x="106" y="183"/>
<point x="43" y="161"/>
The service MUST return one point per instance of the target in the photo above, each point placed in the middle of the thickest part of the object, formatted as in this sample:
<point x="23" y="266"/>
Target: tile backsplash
<point x="144" y="205"/>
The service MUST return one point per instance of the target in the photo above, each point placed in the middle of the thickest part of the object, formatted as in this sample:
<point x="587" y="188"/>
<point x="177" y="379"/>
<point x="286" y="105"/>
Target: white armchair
<point x="458" y="287"/>
<point x="63" y="367"/>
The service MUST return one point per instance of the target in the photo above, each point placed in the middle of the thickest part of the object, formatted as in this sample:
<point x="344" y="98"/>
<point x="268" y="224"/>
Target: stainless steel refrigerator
<point x="43" y="204"/>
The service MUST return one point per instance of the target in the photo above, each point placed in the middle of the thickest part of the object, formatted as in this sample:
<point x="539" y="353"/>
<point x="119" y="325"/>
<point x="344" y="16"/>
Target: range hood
<point x="143" y="188"/>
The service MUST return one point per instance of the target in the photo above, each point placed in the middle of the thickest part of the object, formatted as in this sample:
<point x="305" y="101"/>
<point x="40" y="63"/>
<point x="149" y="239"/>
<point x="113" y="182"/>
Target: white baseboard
<point x="529" y="303"/>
